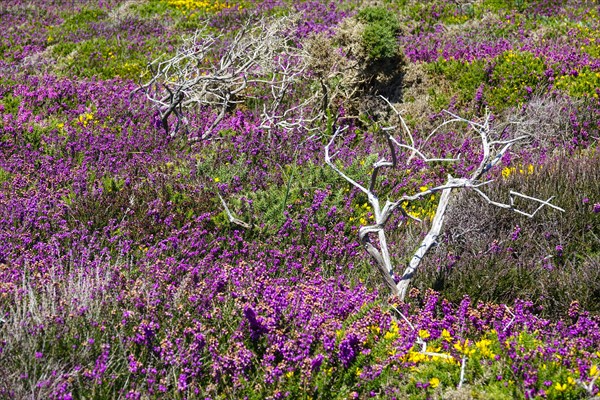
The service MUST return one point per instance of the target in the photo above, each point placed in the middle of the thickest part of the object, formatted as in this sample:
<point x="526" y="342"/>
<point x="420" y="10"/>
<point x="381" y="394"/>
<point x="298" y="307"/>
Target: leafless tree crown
<point x="492" y="151"/>
<point x="212" y="71"/>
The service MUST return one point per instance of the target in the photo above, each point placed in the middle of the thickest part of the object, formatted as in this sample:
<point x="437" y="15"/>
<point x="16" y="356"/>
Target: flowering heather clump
<point x="224" y="261"/>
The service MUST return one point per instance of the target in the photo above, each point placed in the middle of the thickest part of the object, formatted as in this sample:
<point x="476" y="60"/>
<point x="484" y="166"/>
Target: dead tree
<point x="492" y="151"/>
<point x="212" y="71"/>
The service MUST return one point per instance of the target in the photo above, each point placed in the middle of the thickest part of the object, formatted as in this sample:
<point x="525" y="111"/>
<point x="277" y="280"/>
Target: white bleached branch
<point x="260" y="56"/>
<point x="492" y="152"/>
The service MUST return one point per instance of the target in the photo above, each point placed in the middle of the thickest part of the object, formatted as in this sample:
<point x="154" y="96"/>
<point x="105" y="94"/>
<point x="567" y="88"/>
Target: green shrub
<point x="584" y="84"/>
<point x="496" y="5"/>
<point x="379" y="35"/>
<point x="151" y="9"/>
<point x="429" y="13"/>
<point x="83" y="18"/>
<point x="464" y="79"/>
<point x="5" y="176"/>
<point x="516" y="75"/>
<point x="104" y="58"/>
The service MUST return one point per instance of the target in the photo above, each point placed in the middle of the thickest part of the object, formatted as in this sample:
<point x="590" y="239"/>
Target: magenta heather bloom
<point x="515" y="234"/>
<point x="135" y="284"/>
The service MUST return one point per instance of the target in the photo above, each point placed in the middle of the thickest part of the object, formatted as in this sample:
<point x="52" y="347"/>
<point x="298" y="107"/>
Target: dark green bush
<point x="379" y="37"/>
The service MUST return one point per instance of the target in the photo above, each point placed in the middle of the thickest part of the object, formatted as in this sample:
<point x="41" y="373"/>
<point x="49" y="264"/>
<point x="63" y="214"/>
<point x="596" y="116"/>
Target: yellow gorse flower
<point x="85" y="118"/>
<point x="446" y="335"/>
<point x="483" y="347"/>
<point x="464" y="348"/>
<point x="393" y="332"/>
<point x="560" y="387"/>
<point x="434" y="382"/>
<point x="423" y="334"/>
<point x="202" y="5"/>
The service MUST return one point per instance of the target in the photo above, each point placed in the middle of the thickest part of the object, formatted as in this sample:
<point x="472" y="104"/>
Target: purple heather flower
<point x="515" y="234"/>
<point x="182" y="382"/>
<point x="316" y="362"/>
<point x="422" y="385"/>
<point x="597" y="208"/>
<point x="559" y="250"/>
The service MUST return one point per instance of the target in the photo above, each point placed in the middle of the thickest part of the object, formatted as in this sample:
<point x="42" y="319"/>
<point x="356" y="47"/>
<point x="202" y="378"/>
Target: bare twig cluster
<point x="212" y="71"/>
<point x="492" y="151"/>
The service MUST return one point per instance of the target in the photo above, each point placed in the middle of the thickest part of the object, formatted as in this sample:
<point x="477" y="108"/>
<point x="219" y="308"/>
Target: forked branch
<point x="492" y="151"/>
<point x="217" y="73"/>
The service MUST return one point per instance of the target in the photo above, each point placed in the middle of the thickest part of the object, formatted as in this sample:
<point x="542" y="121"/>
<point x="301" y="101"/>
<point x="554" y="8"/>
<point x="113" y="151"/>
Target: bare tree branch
<point x="492" y="152"/>
<point x="260" y="56"/>
<point x="233" y="219"/>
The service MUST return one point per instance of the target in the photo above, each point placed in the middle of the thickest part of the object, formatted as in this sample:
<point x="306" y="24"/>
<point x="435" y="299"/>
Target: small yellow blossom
<point x="416" y="357"/>
<point x="217" y="179"/>
<point x="434" y="382"/>
<point x="423" y="188"/>
<point x="423" y="334"/>
<point x="446" y="335"/>
<point x="594" y="371"/>
<point x="464" y="348"/>
<point x="483" y="346"/>
<point x="560" y="387"/>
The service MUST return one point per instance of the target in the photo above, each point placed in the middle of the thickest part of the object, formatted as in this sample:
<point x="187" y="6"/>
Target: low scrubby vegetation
<point x="169" y="240"/>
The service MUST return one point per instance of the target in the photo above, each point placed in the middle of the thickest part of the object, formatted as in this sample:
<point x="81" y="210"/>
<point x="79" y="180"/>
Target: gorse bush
<point x="380" y="33"/>
<point x="582" y="84"/>
<point x="464" y="81"/>
<point x="515" y="77"/>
